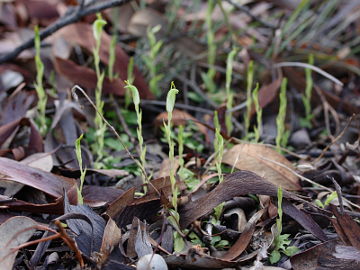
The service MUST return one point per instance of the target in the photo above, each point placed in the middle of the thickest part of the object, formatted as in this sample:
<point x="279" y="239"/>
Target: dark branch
<point x="70" y="18"/>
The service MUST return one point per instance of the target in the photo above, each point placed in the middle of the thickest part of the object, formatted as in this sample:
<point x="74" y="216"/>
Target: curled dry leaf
<point x="236" y="184"/>
<point x="87" y="225"/>
<point x="41" y="161"/>
<point x="243" y="183"/>
<point x="14" y="232"/>
<point x="111" y="238"/>
<point x="139" y="241"/>
<point x="249" y="157"/>
<point x="244" y="239"/>
<point x="347" y="229"/>
<point x="46" y="182"/>
<point x="19" y="205"/>
<point x="9" y="130"/>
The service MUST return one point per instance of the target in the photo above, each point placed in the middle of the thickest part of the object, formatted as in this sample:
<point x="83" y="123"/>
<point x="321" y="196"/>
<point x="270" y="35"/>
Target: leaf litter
<point x="128" y="223"/>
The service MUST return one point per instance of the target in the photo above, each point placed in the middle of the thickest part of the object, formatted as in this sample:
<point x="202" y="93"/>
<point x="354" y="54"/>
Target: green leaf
<point x="319" y="203"/>
<point x="171" y="97"/>
<point x="98" y="27"/>
<point x="222" y="244"/>
<point x="333" y="195"/>
<point x="179" y="243"/>
<point x="274" y="256"/>
<point x="195" y="240"/>
<point x="78" y="150"/>
<point x="134" y="93"/>
<point x="215" y="239"/>
<point x="291" y="250"/>
<point x="229" y="68"/>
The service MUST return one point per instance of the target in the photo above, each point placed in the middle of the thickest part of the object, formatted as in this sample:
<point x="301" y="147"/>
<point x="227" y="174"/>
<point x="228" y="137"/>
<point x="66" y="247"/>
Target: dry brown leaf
<point x="236" y="184"/>
<point x="249" y="157"/>
<point x="41" y="161"/>
<point x="111" y="237"/>
<point x="49" y="183"/>
<point x="14" y="232"/>
<point x="243" y="241"/>
<point x="165" y="168"/>
<point x="347" y="228"/>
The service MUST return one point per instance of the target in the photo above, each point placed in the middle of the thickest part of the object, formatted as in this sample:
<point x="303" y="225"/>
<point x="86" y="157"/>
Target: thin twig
<point x="314" y="68"/>
<point x="70" y="18"/>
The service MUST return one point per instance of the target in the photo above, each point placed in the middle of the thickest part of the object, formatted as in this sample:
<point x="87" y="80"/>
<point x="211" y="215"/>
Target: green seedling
<point x="130" y="79"/>
<point x="282" y="134"/>
<point x="229" y="94"/>
<point x="306" y="98"/>
<point x="150" y="60"/>
<point x="142" y="147"/>
<point x="100" y="126"/>
<point x="249" y="81"/>
<point x="174" y="217"/>
<point x="39" y="87"/>
<point x="170" y="103"/>
<point x="281" y="241"/>
<point x="258" y="110"/>
<point x="112" y="56"/>
<point x="181" y="146"/>
<point x="208" y="77"/>
<point x="333" y="195"/>
<point x="219" y="152"/>
<point x="82" y="170"/>
<point x="218" y="146"/>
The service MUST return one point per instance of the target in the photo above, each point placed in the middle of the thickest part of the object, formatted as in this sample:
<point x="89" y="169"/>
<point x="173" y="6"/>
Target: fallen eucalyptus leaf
<point x="248" y="157"/>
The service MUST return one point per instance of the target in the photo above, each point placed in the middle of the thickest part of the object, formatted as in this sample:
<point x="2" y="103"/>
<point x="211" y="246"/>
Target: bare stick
<point x="312" y="67"/>
<point x="69" y="18"/>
